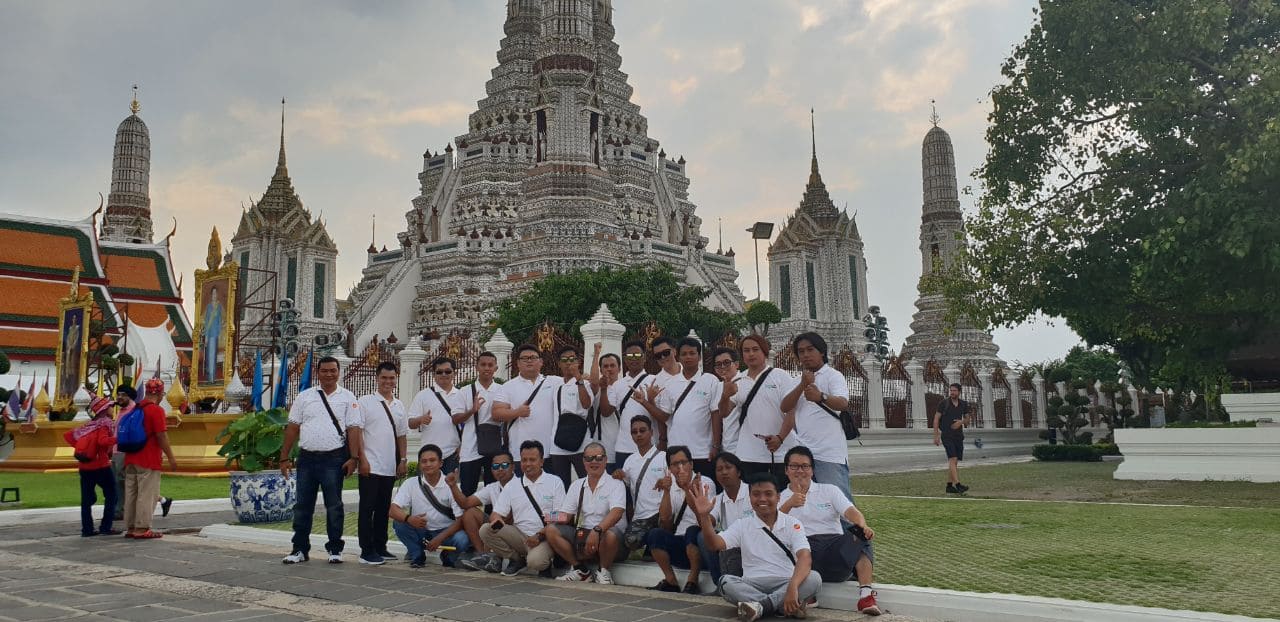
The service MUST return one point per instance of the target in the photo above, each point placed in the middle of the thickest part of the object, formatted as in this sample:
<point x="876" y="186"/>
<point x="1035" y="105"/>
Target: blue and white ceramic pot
<point x="263" y="497"/>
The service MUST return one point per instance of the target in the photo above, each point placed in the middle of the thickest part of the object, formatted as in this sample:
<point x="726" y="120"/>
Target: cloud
<point x="680" y="89"/>
<point x="811" y="17"/>
<point x="727" y="59"/>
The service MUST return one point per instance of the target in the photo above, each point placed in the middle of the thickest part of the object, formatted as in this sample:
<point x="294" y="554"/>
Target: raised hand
<point x="699" y="501"/>
<point x="812" y="393"/>
<point x="806" y="378"/>
<point x="730" y="387"/>
<point x="653" y="391"/>
<point x="664" y="483"/>
<point x="452" y="479"/>
<point x="479" y="404"/>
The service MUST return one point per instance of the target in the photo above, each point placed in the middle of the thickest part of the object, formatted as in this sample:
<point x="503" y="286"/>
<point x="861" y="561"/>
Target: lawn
<point x="51" y="490"/>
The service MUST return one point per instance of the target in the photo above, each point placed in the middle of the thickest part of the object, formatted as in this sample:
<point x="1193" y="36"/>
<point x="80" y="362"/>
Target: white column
<point x="988" y="404"/>
<point x="695" y="336"/>
<point x="919" y="406"/>
<point x="411" y="358"/>
<point x="1040" y="401"/>
<point x="603" y="329"/>
<point x="1133" y="400"/>
<point x="875" y="390"/>
<point x="501" y="347"/>
<point x="1015" y="397"/>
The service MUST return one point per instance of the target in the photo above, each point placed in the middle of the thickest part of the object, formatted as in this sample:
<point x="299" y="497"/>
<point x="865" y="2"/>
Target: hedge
<point x="1066" y="453"/>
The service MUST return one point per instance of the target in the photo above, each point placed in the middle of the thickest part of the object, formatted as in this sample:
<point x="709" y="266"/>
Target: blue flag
<point x="255" y="398"/>
<point x="304" y="382"/>
<point x="15" y="400"/>
<point x="282" y="382"/>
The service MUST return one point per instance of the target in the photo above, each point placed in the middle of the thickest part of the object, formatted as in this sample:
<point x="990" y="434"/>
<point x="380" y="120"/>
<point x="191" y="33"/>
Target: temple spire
<point x="134" y="107"/>
<point x="934" y="118"/>
<point x="814" y="176"/>
<point x="280" y="163"/>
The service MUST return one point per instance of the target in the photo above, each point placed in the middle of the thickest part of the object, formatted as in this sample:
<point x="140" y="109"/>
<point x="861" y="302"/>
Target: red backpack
<point x="87" y="449"/>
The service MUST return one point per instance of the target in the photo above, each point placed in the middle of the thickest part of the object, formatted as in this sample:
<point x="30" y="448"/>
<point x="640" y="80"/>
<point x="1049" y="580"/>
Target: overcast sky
<point x="371" y="85"/>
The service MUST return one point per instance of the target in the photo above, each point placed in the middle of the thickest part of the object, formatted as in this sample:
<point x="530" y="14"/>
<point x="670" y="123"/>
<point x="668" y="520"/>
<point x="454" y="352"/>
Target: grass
<point x="51" y="490"/>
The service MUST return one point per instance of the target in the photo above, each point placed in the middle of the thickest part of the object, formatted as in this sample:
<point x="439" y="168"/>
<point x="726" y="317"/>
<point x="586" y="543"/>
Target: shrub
<point x="1066" y="453"/>
<point x="1107" y="449"/>
<point x="253" y="441"/>
<point x="411" y="470"/>
<point x="1210" y="424"/>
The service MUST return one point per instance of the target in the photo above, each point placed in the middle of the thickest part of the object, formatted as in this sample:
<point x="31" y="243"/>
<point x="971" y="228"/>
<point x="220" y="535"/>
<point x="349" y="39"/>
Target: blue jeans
<point x="105" y="479"/>
<point x="412" y="538"/>
<point x="319" y="471"/>
<point x="836" y="474"/>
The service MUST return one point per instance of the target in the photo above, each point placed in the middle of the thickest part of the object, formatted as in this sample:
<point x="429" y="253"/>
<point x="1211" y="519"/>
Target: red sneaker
<point x="867" y="604"/>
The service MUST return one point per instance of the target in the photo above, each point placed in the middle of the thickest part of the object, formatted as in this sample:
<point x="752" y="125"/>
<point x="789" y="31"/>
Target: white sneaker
<point x="335" y="558"/>
<point x="604" y="577"/>
<point x="574" y="575"/>
<point x="296" y="557"/>
<point x="749" y="612"/>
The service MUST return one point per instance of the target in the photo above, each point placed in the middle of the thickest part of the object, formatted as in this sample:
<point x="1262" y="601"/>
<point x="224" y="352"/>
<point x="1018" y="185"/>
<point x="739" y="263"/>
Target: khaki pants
<point x="141" y="486"/>
<point x="508" y="543"/>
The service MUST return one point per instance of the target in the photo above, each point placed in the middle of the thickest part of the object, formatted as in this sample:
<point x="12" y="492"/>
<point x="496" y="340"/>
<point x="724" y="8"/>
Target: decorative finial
<point x="214" y="259"/>
<point x="134" y="107"/>
<point x="934" y="118"/>
<point x="813" y="136"/>
<point x="75" y="281"/>
<point x="280" y="161"/>
<point x="720" y="229"/>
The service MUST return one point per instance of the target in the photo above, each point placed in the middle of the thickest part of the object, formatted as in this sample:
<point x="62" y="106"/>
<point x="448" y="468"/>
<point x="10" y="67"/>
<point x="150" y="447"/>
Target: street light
<point x="877" y="333"/>
<point x="759" y="231"/>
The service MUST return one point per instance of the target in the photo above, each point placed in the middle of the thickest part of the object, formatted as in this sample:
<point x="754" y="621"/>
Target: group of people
<point x="584" y="470"/>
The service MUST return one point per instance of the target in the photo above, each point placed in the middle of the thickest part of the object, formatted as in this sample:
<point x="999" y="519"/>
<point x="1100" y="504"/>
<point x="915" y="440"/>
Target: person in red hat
<point x="142" y="468"/>
<point x="94" y="443"/>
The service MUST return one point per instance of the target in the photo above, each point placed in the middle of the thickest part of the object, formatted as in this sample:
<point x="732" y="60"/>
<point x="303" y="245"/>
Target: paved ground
<point x="48" y="572"/>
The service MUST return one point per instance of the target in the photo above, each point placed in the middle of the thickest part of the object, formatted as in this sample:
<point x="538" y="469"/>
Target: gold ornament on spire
<point x="934" y="118"/>
<point x="133" y="105"/>
<point x="215" y="251"/>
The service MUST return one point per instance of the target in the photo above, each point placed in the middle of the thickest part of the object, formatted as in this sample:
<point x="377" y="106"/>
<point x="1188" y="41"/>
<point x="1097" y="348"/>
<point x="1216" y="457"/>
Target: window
<point x="317" y="288"/>
<point x="291" y="280"/>
<point x="784" y="290"/>
<point x="853" y="282"/>
<point x="813" y="291"/>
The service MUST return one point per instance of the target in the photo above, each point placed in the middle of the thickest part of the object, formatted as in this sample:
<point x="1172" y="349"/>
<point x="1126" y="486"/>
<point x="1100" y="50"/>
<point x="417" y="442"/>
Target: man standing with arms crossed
<point x="378" y="436"/>
<point x="948" y="431"/>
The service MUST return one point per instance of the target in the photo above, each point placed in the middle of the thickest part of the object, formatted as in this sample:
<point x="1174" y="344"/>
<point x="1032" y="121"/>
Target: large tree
<point x="1132" y="181"/>
<point x="634" y="296"/>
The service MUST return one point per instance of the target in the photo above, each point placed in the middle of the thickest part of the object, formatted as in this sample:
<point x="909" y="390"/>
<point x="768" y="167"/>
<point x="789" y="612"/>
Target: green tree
<point x="1131" y="180"/>
<point x="634" y="296"/>
<point x="761" y="314"/>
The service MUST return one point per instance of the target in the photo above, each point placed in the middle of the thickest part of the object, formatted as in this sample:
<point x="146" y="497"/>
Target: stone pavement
<point x="185" y="577"/>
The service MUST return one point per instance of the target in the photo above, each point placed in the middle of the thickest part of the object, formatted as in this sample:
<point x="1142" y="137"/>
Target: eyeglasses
<point x="530" y="358"/>
<point x="633" y="355"/>
<point x="679" y="463"/>
<point x="498" y="466"/>
<point x="724" y="363"/>
<point x="595" y="458"/>
<point x="444" y="372"/>
<point x="800" y="467"/>
<point x="568" y="359"/>
<point x="662" y="354"/>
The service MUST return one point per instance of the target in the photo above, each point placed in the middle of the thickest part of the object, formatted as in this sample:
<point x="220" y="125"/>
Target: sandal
<point x="148" y="535"/>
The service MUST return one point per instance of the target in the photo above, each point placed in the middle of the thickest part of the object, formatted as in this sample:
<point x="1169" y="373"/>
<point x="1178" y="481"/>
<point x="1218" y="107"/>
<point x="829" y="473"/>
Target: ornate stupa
<point x="128" y="215"/>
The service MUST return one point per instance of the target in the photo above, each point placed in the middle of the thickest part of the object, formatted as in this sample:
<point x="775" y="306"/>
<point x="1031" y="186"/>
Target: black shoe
<point x="546" y="574"/>
<point x="420" y="562"/>
<point x="691" y="588"/>
<point x="494" y="564"/>
<point x="165" y="504"/>
<point x="663" y="586"/>
<point x="88" y="534"/>
<point x="371" y="559"/>
<point x="961" y="488"/>
<point x="514" y="567"/>
<point x="386" y="555"/>
<point x="951" y="489"/>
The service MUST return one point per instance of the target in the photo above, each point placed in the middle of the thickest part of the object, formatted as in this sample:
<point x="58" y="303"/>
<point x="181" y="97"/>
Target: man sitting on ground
<point x="589" y="524"/>
<point x="473" y="515"/>
<point x="640" y="473"/>
<point x="520" y="514"/>
<point x="425" y="514"/>
<point x="776" y="575"/>
<point x="674" y="542"/>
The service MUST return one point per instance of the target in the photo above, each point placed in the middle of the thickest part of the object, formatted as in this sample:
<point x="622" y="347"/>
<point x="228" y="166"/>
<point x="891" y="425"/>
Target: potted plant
<point x="259" y="493"/>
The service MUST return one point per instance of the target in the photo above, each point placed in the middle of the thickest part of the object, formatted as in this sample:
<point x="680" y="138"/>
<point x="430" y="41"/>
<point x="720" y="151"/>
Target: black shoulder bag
<point x="491" y="438"/>
<point x="571" y="428"/>
<point x="580" y="533"/>
<point x="848" y="422"/>
<point x="435" y="503"/>
<point x="342" y="434"/>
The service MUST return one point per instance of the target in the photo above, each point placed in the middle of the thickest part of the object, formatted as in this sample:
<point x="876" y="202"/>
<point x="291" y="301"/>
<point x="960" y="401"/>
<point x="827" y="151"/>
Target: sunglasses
<point x="530" y="358"/>
<point x="596" y="458"/>
<point x="498" y="466"/>
<point x="568" y="359"/>
<point x="444" y="372"/>
<point x="662" y="354"/>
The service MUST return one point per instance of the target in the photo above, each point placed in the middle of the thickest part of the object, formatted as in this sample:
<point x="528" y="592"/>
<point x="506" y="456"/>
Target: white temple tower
<point x="128" y="214"/>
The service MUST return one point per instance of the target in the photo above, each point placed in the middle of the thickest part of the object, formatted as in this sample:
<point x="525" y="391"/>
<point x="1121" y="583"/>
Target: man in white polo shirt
<point x="641" y="473"/>
<point x="818" y="399"/>
<point x="766" y="431"/>
<point x="514" y="531"/>
<point x="776" y="575"/>
<point x="436" y="412"/>
<point x="426" y="515"/>
<point x="477" y="399"/>
<point x="572" y="417"/>
<point x="688" y="405"/>
<point x="527" y="403"/>
<point x="379" y="431"/>
<point x="620" y="401"/>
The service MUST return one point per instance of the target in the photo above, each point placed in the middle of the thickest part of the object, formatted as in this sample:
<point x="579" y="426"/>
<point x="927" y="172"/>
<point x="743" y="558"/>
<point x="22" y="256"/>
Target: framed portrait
<point x="72" y="359"/>
<point x="213" y="346"/>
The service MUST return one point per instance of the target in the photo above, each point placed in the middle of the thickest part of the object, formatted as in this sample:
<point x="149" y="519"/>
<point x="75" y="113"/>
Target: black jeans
<point x="371" y="518"/>
<point x="105" y="479"/>
<point x="319" y="471"/>
<point x="560" y="466"/>
<point x="470" y="474"/>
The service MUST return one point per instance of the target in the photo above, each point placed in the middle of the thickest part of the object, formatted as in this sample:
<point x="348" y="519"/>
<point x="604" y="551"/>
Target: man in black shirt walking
<point x="948" y="431"/>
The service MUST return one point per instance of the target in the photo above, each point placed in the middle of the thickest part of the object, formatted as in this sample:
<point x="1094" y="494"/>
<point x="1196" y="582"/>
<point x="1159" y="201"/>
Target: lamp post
<point x="877" y="333"/>
<point x="759" y="231"/>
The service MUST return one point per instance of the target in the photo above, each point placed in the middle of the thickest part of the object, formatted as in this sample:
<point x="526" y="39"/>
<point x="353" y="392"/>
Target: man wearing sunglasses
<point x="436" y="413"/>
<point x="624" y="398"/>
<point x="573" y="400"/>
<point x="664" y="352"/>
<point x="589" y="524"/>
<point x="474" y="508"/>
<point x="527" y="402"/>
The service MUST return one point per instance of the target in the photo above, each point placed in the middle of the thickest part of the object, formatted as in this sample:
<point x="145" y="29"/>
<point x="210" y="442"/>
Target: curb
<point x="10" y="518"/>
<point x="907" y="600"/>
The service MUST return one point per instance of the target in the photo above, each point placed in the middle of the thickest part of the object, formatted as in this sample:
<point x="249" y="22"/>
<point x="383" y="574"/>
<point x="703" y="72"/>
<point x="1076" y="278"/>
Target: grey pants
<point x="768" y="591"/>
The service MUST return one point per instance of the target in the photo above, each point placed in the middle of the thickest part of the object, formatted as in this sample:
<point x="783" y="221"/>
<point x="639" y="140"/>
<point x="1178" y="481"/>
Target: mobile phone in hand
<point x="858" y="531"/>
<point x="497" y="525"/>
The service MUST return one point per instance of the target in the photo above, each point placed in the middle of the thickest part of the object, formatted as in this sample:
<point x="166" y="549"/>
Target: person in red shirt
<point x="142" y="468"/>
<point x="94" y="443"/>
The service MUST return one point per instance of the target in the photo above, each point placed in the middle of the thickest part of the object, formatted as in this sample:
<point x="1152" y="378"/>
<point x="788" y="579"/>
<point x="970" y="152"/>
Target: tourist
<point x="689" y="405"/>
<point x="731" y="504"/>
<point x="318" y="422"/>
<point x="663" y="350"/>
<point x="724" y="364"/>
<point x="605" y="427"/>
<point x="640" y="473"/>
<point x="477" y="399"/>
<point x="426" y="515"/>
<point x="142" y="468"/>
<point x="823" y="510"/>
<point x="378" y="433"/>
<point x="674" y="542"/>
<point x="573" y="400"/>
<point x="93" y="444"/>
<point x="756" y="395"/>
<point x="527" y="402"/>
<point x="776" y="575"/>
<point x="589" y="523"/>
<point x="825" y="393"/>
<point x="474" y="507"/>
<point x="515" y="529"/>
<point x="621" y="402"/>
<point x="948" y="430"/>
<point x="436" y="414"/>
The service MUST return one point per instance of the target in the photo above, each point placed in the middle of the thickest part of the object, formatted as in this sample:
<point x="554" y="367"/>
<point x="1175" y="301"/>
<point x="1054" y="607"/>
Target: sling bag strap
<point x="780" y="544"/>
<point x="683" y="395"/>
<point x="723" y="503"/>
<point x="631" y="509"/>
<point x="342" y="435"/>
<point x="577" y="519"/>
<point x="392" y="422"/>
<point x="535" y="392"/>
<point x="448" y="411"/>
<point x="742" y="416"/>
<point x="431" y="498"/>
<point x="475" y="417"/>
<point x="536" y="508"/>
<point x="627" y="398"/>
<point x="684" y="505"/>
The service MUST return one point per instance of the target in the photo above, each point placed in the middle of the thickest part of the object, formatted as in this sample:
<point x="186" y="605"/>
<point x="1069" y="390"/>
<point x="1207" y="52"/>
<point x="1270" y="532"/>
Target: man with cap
<point x="94" y="443"/>
<point x="142" y="467"/>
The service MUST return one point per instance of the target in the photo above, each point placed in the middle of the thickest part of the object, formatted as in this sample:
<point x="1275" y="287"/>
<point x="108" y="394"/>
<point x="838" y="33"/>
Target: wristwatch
<point x="597" y="530"/>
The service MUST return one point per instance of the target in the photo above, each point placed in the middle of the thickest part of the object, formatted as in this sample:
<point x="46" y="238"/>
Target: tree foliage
<point x="1131" y="181"/>
<point x="634" y="296"/>
<point x="761" y="314"/>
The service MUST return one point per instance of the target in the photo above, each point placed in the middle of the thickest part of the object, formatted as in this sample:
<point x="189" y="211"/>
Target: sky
<point x="728" y="84"/>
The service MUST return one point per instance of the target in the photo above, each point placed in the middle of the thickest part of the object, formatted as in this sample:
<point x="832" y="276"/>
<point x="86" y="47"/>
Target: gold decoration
<point x="42" y="405"/>
<point x="223" y="279"/>
<point x="176" y="396"/>
<point x="545" y="337"/>
<point x="214" y="259"/>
